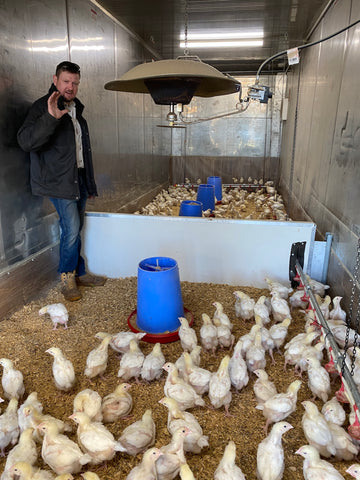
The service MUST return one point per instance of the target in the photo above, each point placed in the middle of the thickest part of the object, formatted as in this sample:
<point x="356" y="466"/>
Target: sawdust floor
<point x="25" y="336"/>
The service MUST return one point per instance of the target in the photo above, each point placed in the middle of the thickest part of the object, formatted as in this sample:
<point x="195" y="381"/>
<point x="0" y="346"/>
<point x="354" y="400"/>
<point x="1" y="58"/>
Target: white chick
<point x="276" y="287"/>
<point x="117" y="404"/>
<point x="88" y="401"/>
<point x="208" y="334"/>
<point x="278" y="332"/>
<point x="263" y="387"/>
<point x="281" y="405"/>
<point x="318" y="379"/>
<point x="187" y="335"/>
<point x="227" y="469"/>
<point x="58" y="314"/>
<point x="185" y="472"/>
<point x="177" y="388"/>
<point x="120" y="342"/>
<point x="25" y="471"/>
<point x="9" y="426"/>
<point x="177" y="418"/>
<point x="96" y="361"/>
<point x="354" y="470"/>
<point x="25" y="421"/>
<point x="315" y="351"/>
<point x="220" y="386"/>
<point x="62" y="369"/>
<point x="195" y="357"/>
<point x="270" y="453"/>
<point x="24" y="451"/>
<point x="298" y="300"/>
<point x="342" y="334"/>
<point x="244" y="305"/>
<point x="197" y="377"/>
<point x="225" y="337"/>
<point x="152" y="367"/>
<point x="267" y="342"/>
<point x="146" y="470"/>
<point x="36" y="417"/>
<point x="59" y="452"/>
<point x="221" y="315"/>
<point x="140" y="435"/>
<point x="95" y="439"/>
<point x="168" y="465"/>
<point x="314" y="467"/>
<point x="333" y="411"/>
<point x="280" y="307"/>
<point x="262" y="309"/>
<point x="294" y="349"/>
<point x="337" y="313"/>
<point x="131" y="363"/>
<point x="317" y="287"/>
<point x="238" y="370"/>
<point x="316" y="430"/>
<point x="346" y="448"/>
<point x="255" y="354"/>
<point x="12" y="380"/>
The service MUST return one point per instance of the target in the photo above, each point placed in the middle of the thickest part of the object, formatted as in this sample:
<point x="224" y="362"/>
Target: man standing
<point x="57" y="137"/>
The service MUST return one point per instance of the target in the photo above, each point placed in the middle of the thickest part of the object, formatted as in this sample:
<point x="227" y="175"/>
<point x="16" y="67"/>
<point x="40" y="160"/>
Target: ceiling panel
<point x="160" y="22"/>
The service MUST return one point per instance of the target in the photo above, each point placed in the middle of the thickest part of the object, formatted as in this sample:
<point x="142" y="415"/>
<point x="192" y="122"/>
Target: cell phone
<point x="60" y="103"/>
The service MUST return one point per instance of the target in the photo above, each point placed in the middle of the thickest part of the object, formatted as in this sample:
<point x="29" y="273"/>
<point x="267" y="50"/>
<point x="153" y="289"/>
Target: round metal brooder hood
<point x="175" y="81"/>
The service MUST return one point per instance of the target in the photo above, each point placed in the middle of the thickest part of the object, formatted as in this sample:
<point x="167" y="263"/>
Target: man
<point x="57" y="137"/>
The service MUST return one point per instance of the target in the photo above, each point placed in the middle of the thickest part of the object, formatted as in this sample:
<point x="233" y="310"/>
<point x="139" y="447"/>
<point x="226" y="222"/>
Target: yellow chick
<point x="96" y="361"/>
<point x="12" y="380"/>
<point x="88" y="401"/>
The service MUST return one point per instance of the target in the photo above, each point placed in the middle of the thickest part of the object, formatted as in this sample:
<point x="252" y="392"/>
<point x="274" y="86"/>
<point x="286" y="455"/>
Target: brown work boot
<point x="89" y="280"/>
<point x="69" y="288"/>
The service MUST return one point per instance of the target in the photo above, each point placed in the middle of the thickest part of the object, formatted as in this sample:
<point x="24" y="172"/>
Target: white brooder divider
<point x="232" y="252"/>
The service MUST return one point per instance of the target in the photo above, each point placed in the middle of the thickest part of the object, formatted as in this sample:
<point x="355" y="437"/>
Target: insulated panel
<point x="233" y="252"/>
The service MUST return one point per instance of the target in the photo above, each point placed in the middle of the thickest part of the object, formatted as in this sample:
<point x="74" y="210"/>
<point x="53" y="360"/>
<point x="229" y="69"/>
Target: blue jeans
<point x="71" y="219"/>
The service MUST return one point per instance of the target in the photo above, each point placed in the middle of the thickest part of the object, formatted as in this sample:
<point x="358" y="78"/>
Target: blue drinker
<point x="216" y="181"/>
<point x="206" y="195"/>
<point x="190" y="208"/>
<point x="159" y="299"/>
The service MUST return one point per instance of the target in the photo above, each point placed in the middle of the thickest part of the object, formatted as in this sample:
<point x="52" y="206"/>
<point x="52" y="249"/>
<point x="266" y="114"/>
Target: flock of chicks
<point x="256" y="201"/>
<point x="25" y="425"/>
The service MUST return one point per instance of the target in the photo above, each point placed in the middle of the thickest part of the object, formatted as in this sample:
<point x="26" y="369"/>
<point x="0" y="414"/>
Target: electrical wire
<point x="221" y="115"/>
<point x="306" y="45"/>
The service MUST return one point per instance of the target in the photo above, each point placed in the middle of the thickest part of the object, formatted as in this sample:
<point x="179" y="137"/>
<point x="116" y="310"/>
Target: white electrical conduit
<point x="221" y="115"/>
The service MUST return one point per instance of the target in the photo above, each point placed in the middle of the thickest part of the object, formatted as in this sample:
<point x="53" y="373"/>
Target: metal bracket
<point x="297" y="254"/>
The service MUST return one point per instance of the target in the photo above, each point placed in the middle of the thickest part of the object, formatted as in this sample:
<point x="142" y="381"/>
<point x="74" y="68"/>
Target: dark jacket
<point x="51" y="143"/>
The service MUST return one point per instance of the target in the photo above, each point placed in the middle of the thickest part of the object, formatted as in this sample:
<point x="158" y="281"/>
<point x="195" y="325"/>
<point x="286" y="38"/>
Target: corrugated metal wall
<point x="320" y="171"/>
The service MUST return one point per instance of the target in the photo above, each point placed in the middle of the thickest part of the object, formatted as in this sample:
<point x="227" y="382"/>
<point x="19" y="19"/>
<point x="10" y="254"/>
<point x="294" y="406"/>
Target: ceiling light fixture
<point x="223" y="36"/>
<point x="224" y="44"/>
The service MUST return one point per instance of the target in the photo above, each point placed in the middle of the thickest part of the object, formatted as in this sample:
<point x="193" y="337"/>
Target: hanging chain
<point x="186" y="50"/>
<point x="355" y="283"/>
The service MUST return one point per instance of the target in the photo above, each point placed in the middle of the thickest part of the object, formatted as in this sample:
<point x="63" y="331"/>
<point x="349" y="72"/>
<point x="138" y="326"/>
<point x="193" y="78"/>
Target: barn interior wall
<point x="319" y="161"/>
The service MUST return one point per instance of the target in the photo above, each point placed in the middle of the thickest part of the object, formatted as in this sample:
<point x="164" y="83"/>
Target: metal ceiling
<point x="286" y="24"/>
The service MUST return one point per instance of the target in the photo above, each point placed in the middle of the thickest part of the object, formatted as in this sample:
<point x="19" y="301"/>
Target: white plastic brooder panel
<point x="233" y="252"/>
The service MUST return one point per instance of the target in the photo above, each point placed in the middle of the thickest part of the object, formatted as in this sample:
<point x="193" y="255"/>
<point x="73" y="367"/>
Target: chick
<point x="316" y="430"/>
<point x="318" y="379"/>
<point x="131" y="362"/>
<point x="168" y="465"/>
<point x="346" y="448"/>
<point x="208" y="334"/>
<point x="221" y="315"/>
<point x="262" y="308"/>
<point x="25" y="471"/>
<point x="276" y="287"/>
<point x="185" y="472"/>
<point x="62" y="369"/>
<point x="316" y="468"/>
<point x="270" y="453"/>
<point x="139" y="436"/>
<point x="278" y="332"/>
<point x="152" y="367"/>
<point x="244" y="305"/>
<point x="317" y="287"/>
<point x="255" y="354"/>
<point x="59" y="452"/>
<point x="25" y="421"/>
<point x="354" y="470"/>
<point x="36" y="417"/>
<point x="12" y="380"/>
<point x="58" y="314"/>
<point x="95" y="439"/>
<point x="146" y="470"/>
<point x="220" y="386"/>
<point x="227" y="469"/>
<point x="120" y="342"/>
<point x="263" y="387"/>
<point x="175" y="387"/>
<point x="88" y="401"/>
<point x="89" y="476"/>
<point x="24" y="451"/>
<point x="197" y="377"/>
<point x="298" y="300"/>
<point x="333" y="411"/>
<point x="238" y="370"/>
<point x="96" y="361"/>
<point x="196" y="440"/>
<point x="117" y="404"/>
<point x="187" y="335"/>
<point x="281" y="405"/>
<point x="9" y="426"/>
<point x="225" y="337"/>
<point x="337" y="313"/>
